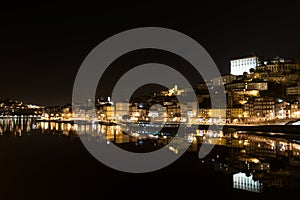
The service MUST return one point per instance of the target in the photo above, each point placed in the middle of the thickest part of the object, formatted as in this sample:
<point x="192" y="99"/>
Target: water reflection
<point x="257" y="162"/>
<point x="15" y="126"/>
<point x="19" y="126"/>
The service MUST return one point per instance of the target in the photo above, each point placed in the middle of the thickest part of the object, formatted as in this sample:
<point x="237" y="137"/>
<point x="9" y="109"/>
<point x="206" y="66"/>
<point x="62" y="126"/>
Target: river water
<point x="46" y="160"/>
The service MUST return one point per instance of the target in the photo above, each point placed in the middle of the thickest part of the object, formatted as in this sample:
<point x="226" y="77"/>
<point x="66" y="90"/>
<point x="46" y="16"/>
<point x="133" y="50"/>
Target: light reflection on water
<point x="256" y="162"/>
<point x="17" y="127"/>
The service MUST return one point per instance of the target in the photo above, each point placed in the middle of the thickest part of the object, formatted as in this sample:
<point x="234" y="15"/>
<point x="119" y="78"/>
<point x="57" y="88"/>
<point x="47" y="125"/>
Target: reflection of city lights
<point x="282" y="147"/>
<point x="75" y="127"/>
<point x="272" y="145"/>
<point x="191" y="139"/>
<point x="52" y="124"/>
<point x="244" y="182"/>
<point x="69" y="127"/>
<point x="46" y="125"/>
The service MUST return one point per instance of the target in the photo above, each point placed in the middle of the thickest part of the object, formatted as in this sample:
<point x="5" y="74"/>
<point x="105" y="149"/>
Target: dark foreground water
<point x="48" y="161"/>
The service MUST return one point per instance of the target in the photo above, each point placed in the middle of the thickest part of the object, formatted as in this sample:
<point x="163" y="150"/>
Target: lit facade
<point x="122" y="110"/>
<point x="247" y="86"/>
<point x="223" y="80"/>
<point x="293" y="90"/>
<point x="278" y="64"/>
<point x="109" y="111"/>
<point x="241" y="65"/>
<point x="260" y="109"/>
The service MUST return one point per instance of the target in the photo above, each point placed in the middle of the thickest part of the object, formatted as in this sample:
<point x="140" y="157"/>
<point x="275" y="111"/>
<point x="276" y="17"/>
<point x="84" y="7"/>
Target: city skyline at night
<point x="42" y="47"/>
<point x="167" y="100"/>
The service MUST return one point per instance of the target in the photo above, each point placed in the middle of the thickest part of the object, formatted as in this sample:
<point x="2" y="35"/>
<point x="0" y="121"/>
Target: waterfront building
<point x="294" y="107"/>
<point x="137" y="112"/>
<point x="121" y="110"/>
<point x="259" y="108"/>
<point x="234" y="114"/>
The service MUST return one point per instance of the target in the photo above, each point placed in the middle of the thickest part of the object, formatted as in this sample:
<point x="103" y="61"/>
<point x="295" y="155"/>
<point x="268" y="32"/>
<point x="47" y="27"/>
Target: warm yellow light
<point x="175" y="150"/>
<point x="253" y="92"/>
<point x="296" y="146"/>
<point x="242" y="102"/>
<point x="255" y="160"/>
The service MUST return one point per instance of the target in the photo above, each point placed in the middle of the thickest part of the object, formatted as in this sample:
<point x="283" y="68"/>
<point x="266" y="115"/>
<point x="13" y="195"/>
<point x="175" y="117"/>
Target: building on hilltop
<point x="240" y="65"/>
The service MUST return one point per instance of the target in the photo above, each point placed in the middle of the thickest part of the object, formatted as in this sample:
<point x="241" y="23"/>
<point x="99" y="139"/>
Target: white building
<point x="240" y="65"/>
<point x="244" y="182"/>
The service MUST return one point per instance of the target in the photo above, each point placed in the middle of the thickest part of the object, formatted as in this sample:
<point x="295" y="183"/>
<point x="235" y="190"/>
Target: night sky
<point x="43" y="46"/>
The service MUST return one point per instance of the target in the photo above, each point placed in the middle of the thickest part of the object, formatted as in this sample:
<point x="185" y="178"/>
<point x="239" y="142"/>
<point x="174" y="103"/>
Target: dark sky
<point x="43" y="46"/>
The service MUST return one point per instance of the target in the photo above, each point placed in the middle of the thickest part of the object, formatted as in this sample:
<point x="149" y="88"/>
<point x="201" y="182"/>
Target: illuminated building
<point x="247" y="86"/>
<point x="295" y="90"/>
<point x="204" y="113"/>
<point x="278" y="64"/>
<point x="157" y="112"/>
<point x="137" y="112"/>
<point x="212" y="115"/>
<point x="223" y="80"/>
<point x="239" y="93"/>
<point x="240" y="65"/>
<point x="122" y="110"/>
<point x="294" y="110"/>
<point x="190" y="109"/>
<point x="172" y="91"/>
<point x="218" y="115"/>
<point x="234" y="114"/>
<point x="173" y="110"/>
<point x="260" y="108"/>
<point x="109" y="111"/>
